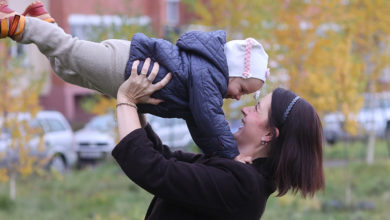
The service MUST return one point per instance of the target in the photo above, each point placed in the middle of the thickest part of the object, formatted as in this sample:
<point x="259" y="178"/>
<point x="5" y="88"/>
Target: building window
<point x="172" y="11"/>
<point x="86" y="27"/>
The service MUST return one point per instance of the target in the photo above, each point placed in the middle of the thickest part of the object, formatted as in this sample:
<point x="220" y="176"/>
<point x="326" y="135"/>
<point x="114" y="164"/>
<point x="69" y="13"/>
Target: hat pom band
<point x="247" y="59"/>
<point x="246" y="75"/>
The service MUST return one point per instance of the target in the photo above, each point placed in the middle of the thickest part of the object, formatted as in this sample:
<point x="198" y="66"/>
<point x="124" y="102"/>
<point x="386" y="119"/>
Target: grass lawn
<point x="369" y="188"/>
<point x="104" y="192"/>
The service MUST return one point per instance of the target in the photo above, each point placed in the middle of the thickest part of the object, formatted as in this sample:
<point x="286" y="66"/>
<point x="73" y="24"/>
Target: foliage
<point x="317" y="55"/>
<point x="240" y="18"/>
<point x="98" y="104"/>
<point x="6" y="203"/>
<point x="19" y="95"/>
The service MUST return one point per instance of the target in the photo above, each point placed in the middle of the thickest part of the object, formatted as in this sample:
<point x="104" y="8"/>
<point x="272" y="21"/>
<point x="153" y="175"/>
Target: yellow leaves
<point x="203" y="12"/>
<point x="103" y="105"/>
<point x="41" y="146"/>
<point x="237" y="17"/>
<point x="323" y="64"/>
<point x="26" y="168"/>
<point x="4" y="175"/>
<point x="98" y="104"/>
<point x="19" y="94"/>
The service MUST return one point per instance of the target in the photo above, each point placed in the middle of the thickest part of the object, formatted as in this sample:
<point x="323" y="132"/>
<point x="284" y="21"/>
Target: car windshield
<point x="4" y="133"/>
<point x="377" y="101"/>
<point x="101" y="123"/>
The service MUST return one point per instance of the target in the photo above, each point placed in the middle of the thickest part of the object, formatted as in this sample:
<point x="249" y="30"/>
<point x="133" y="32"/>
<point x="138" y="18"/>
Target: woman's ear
<point x="276" y="132"/>
<point x="268" y="137"/>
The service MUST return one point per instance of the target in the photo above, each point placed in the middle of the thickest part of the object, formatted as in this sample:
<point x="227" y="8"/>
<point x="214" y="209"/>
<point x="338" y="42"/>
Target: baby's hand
<point x="243" y="159"/>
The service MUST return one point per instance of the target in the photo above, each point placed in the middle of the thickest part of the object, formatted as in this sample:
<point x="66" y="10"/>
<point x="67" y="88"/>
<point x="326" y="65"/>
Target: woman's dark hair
<point x="295" y="156"/>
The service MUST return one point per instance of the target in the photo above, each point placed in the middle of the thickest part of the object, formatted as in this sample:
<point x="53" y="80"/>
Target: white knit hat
<point x="246" y="59"/>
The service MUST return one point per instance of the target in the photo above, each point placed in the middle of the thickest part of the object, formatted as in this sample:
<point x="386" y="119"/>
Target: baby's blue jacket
<point x="196" y="91"/>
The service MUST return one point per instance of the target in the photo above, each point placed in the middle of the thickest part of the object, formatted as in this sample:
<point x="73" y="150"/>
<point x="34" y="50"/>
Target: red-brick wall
<point x="155" y="9"/>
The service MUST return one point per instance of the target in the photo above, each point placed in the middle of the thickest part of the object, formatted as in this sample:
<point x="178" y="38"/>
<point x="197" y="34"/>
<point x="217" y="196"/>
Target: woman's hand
<point x="138" y="88"/>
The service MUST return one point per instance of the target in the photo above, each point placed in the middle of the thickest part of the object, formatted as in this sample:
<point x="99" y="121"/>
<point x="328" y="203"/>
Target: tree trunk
<point x="371" y="148"/>
<point x="371" y="136"/>
<point x="347" y="185"/>
<point x="12" y="185"/>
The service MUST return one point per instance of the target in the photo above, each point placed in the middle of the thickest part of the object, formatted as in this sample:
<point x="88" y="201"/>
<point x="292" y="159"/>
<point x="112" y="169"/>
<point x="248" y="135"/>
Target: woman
<point x="281" y="135"/>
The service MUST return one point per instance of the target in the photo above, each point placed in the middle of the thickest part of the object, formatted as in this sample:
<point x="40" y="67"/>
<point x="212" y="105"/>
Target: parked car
<point x="333" y="127"/>
<point x="373" y="116"/>
<point x="98" y="137"/>
<point x="58" y="139"/>
<point x="173" y="132"/>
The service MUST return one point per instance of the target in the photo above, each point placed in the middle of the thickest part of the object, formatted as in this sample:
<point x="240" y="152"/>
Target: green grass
<point x="356" y="150"/>
<point x="367" y="183"/>
<point x="100" y="193"/>
<point x="104" y="192"/>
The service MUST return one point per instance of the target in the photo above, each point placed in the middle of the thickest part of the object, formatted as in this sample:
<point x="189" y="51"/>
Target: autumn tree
<point x="370" y="30"/>
<point x="354" y="36"/>
<point x="19" y="96"/>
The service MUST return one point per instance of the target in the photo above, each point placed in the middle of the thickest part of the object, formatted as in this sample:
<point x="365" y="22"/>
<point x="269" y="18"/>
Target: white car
<point x="97" y="138"/>
<point x="375" y="117"/>
<point x="59" y="145"/>
<point x="173" y="132"/>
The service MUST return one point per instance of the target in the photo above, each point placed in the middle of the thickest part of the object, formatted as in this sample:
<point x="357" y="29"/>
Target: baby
<point x="204" y="67"/>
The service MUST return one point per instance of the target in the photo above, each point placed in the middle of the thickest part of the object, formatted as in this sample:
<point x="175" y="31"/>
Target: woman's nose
<point x="244" y="111"/>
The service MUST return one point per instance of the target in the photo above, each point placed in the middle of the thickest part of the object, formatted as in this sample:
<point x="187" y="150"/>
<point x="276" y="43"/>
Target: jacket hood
<point x="209" y="45"/>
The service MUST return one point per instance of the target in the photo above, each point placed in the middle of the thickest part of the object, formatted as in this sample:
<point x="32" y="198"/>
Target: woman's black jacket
<point x="192" y="186"/>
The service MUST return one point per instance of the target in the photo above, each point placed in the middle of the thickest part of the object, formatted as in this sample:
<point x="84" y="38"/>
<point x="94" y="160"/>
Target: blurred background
<point x="56" y="138"/>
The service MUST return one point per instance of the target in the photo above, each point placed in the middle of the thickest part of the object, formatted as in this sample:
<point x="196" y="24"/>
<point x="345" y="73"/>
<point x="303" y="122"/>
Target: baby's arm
<point x="69" y="75"/>
<point x="208" y="127"/>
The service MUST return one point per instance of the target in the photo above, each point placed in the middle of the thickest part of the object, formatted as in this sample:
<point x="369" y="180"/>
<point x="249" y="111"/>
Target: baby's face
<point x="239" y="86"/>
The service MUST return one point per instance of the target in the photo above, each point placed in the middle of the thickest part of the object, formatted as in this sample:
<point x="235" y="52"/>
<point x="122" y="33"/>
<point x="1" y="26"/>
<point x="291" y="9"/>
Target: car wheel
<point x="387" y="131"/>
<point x="330" y="138"/>
<point x="57" y="164"/>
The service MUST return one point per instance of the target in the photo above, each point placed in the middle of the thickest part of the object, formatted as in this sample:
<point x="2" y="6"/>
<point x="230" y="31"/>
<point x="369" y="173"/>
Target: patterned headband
<point x="290" y="106"/>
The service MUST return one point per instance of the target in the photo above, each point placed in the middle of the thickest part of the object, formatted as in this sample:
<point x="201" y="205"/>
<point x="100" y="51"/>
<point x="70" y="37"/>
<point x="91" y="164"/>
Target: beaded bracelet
<point x="128" y="104"/>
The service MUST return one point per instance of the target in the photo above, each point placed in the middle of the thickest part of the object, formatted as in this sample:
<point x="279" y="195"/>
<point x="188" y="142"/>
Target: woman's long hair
<point x="295" y="156"/>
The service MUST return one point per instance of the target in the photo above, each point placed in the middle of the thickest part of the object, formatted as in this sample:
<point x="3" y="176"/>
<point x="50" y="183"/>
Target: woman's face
<point x="254" y="127"/>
